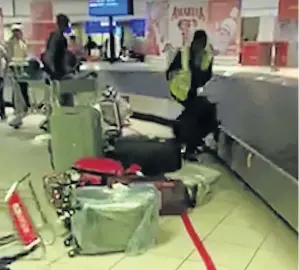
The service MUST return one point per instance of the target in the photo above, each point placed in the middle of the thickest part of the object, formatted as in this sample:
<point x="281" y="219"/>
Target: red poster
<point x="288" y="10"/>
<point x="157" y="27"/>
<point x="41" y="10"/>
<point x="41" y="25"/>
<point x="42" y="30"/>
<point x="224" y="17"/>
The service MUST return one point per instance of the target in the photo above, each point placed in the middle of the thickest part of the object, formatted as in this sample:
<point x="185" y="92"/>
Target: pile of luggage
<point x="94" y="194"/>
<point x="104" y="181"/>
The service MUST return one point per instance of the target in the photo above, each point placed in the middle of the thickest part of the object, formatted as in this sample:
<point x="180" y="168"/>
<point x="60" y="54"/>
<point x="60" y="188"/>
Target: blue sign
<point x="68" y="30"/>
<point x="138" y="27"/>
<point x="110" y="7"/>
<point x="96" y="27"/>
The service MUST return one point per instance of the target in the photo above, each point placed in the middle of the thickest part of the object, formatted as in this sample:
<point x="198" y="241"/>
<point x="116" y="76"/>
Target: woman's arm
<point x="175" y="65"/>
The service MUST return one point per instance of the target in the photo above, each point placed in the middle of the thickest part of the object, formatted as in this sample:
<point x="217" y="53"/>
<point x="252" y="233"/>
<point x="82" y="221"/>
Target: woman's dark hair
<point x="200" y="38"/>
<point x="62" y="21"/>
<point x="73" y="38"/>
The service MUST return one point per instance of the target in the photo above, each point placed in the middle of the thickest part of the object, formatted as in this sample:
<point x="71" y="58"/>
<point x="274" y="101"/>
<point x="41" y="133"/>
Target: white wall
<point x="255" y="8"/>
<point x="266" y="29"/>
<point x="77" y="9"/>
<point x="6" y="6"/>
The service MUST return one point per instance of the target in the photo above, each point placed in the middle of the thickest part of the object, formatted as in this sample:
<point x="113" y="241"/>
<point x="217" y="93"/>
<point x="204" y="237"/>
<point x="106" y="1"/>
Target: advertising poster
<point x="172" y="25"/>
<point x="41" y="10"/>
<point x="156" y="27"/>
<point x="40" y="26"/>
<point x="184" y="20"/>
<point x="288" y="10"/>
<point x="224" y="20"/>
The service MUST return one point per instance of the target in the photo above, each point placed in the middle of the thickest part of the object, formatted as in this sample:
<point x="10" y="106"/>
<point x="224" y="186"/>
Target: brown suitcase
<point x="176" y="198"/>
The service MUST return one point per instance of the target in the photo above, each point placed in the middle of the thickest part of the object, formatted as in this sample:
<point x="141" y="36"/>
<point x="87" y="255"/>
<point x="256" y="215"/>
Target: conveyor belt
<point x="263" y="113"/>
<point x="259" y="109"/>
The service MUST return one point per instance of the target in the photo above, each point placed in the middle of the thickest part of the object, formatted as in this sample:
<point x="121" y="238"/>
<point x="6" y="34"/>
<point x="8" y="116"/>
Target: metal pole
<point x="111" y="40"/>
<point x="13" y="8"/>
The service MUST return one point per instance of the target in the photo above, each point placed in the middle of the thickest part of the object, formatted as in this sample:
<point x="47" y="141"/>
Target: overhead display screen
<point x="99" y="8"/>
<point x="138" y="27"/>
<point x="97" y="27"/>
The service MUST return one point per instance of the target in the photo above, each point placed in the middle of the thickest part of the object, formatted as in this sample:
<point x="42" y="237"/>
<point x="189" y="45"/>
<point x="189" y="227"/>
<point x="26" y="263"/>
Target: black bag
<point x="197" y="120"/>
<point x="155" y="156"/>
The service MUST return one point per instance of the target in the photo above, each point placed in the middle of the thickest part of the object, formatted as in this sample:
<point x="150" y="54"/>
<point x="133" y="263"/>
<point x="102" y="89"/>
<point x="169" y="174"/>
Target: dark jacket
<point x="54" y="57"/>
<point x="198" y="77"/>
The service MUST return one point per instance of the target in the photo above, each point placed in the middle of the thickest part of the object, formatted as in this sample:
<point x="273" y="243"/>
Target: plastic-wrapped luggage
<point x="176" y="197"/>
<point x="118" y="219"/>
<point x="195" y="174"/>
<point x="155" y="156"/>
<point x="76" y="132"/>
<point x="116" y="110"/>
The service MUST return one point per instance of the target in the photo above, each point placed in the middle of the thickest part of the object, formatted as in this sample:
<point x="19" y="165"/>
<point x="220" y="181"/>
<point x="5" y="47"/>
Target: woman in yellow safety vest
<point x="190" y="69"/>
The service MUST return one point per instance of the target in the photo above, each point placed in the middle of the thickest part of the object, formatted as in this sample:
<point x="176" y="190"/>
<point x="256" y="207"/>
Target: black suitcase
<point x="155" y="156"/>
<point x="196" y="121"/>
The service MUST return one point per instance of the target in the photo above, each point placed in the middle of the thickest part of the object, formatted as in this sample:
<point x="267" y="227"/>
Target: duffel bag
<point x="94" y="171"/>
<point x="175" y="197"/>
<point x="155" y="156"/>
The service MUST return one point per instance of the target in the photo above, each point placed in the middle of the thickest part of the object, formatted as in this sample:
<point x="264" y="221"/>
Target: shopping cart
<point x="26" y="232"/>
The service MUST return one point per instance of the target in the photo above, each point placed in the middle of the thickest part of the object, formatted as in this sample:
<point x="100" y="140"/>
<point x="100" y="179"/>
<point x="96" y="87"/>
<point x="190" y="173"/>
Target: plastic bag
<point x="194" y="174"/>
<point x="125" y="110"/>
<point x="116" y="220"/>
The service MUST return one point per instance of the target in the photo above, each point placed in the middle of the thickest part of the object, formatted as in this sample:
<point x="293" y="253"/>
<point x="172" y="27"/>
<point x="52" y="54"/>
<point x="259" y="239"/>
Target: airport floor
<point x="238" y="231"/>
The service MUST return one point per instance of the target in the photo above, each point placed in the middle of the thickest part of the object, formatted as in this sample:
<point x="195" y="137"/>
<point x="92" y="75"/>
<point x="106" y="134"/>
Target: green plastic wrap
<point x="192" y="173"/>
<point x="121" y="219"/>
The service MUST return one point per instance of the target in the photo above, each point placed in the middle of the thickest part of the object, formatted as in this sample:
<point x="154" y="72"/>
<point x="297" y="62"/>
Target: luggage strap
<point x="192" y="196"/>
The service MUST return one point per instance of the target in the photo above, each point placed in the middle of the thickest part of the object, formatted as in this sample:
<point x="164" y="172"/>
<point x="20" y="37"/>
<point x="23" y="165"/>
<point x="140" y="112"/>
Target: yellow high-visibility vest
<point x="180" y="83"/>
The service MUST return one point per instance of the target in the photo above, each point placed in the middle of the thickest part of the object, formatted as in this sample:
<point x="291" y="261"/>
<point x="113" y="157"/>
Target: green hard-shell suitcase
<point x="76" y="132"/>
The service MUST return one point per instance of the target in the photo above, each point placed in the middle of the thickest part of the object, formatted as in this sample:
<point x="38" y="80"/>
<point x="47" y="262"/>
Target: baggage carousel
<point x="259" y="117"/>
<point x="259" y="123"/>
<point x="237" y="230"/>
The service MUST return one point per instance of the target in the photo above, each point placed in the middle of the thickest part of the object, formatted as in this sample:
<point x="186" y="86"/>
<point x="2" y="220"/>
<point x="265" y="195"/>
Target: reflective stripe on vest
<point x="180" y="83"/>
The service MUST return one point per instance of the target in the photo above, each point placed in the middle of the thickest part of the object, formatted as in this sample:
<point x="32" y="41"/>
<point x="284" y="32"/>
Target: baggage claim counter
<point x="259" y="124"/>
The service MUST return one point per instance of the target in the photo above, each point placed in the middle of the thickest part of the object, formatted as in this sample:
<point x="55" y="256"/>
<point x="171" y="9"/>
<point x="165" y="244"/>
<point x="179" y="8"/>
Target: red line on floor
<point x="203" y="253"/>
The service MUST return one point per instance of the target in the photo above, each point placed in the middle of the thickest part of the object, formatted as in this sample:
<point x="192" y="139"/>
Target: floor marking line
<point x="198" y="243"/>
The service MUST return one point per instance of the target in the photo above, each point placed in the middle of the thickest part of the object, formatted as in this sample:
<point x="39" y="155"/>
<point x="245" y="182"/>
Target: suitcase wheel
<point x="67" y="242"/>
<point x="16" y="126"/>
<point x="72" y="253"/>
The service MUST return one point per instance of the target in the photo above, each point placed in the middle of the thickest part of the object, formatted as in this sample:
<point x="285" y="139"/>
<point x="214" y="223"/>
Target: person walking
<point x="4" y="60"/>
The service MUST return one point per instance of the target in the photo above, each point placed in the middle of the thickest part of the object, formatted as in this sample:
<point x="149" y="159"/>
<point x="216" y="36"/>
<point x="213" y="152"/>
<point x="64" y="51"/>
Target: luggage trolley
<point x="29" y="235"/>
<point x="32" y="73"/>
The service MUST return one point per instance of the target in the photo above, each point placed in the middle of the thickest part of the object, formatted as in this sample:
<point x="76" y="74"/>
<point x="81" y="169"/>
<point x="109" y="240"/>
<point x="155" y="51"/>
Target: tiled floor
<point x="238" y="230"/>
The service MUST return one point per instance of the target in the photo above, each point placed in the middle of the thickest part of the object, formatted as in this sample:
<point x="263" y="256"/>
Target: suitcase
<point x="198" y="119"/>
<point x="76" y="132"/>
<point x="95" y="171"/>
<point x="155" y="156"/>
<point x="114" y="220"/>
<point x="175" y="197"/>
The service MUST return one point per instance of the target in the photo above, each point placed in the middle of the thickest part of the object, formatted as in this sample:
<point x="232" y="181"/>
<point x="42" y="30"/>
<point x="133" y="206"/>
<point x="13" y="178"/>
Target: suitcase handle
<point x="71" y="113"/>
